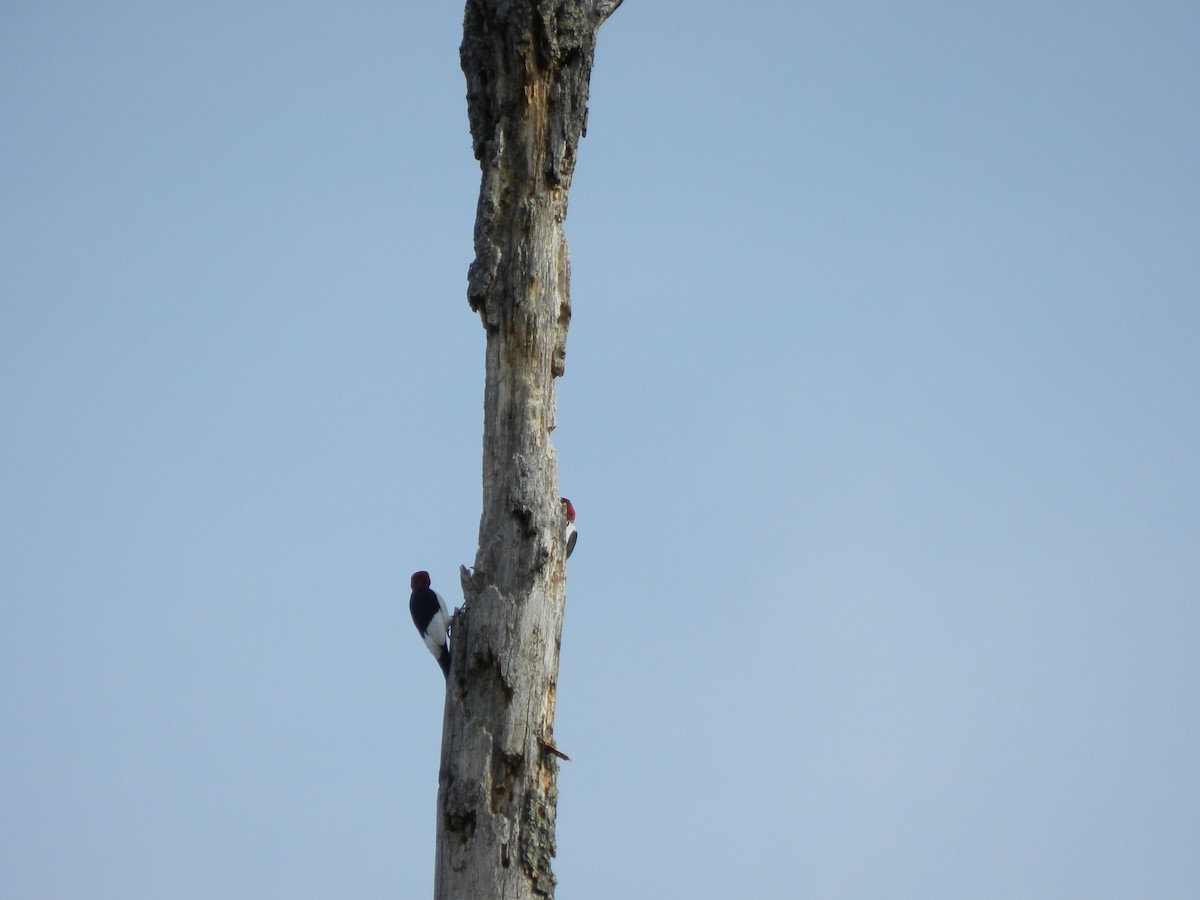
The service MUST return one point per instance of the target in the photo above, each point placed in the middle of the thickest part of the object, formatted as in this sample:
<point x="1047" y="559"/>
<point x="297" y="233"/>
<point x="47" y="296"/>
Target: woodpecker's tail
<point x="444" y="660"/>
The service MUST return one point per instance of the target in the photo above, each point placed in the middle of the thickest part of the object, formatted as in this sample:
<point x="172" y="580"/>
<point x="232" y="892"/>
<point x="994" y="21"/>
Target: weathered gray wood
<point x="527" y="65"/>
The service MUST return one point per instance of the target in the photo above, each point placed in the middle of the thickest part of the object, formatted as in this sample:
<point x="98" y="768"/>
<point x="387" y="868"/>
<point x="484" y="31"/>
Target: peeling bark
<point x="527" y="64"/>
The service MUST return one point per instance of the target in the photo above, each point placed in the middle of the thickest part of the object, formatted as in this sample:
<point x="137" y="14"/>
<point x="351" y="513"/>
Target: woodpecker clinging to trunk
<point x="432" y="619"/>
<point x="572" y="534"/>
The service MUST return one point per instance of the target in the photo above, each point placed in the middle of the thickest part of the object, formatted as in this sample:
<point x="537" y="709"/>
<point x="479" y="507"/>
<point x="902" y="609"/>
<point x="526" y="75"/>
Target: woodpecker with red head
<point x="432" y="619"/>
<point x="572" y="534"/>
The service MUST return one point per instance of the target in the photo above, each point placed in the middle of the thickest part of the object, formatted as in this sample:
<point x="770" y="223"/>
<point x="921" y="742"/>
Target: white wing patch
<point x="439" y="625"/>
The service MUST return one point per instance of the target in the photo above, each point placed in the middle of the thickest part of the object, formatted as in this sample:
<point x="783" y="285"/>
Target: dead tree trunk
<point x="527" y="65"/>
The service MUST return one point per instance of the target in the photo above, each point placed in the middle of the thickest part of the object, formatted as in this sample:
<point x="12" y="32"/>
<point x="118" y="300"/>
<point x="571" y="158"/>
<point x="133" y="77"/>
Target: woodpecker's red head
<point x="570" y="510"/>
<point x="420" y="580"/>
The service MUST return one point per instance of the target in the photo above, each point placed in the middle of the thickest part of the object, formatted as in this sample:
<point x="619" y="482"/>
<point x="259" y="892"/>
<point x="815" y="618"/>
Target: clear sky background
<point x="880" y="415"/>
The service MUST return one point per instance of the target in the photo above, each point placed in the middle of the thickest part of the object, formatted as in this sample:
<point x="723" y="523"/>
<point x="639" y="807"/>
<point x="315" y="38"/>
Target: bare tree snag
<point x="527" y="64"/>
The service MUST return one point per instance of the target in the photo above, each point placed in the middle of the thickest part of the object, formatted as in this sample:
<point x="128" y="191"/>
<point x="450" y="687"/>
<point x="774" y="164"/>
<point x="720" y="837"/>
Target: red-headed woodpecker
<point x="432" y="619"/>
<point x="572" y="534"/>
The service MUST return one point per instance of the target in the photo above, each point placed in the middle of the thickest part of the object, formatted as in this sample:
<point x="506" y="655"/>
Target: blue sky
<point x="880" y="416"/>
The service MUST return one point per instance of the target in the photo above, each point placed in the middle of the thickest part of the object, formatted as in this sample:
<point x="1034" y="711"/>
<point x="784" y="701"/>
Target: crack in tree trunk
<point x="527" y="64"/>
